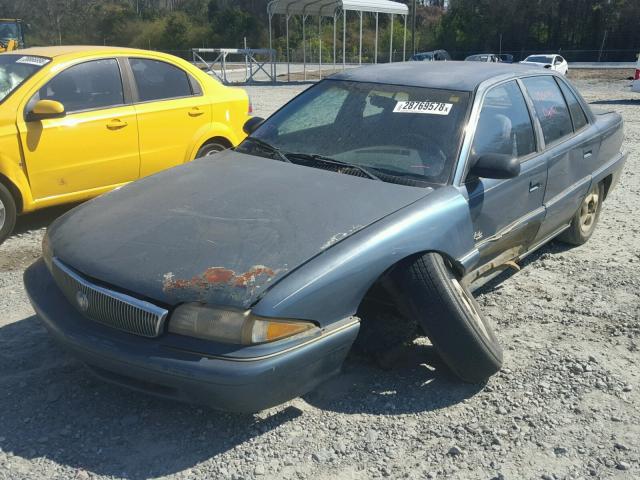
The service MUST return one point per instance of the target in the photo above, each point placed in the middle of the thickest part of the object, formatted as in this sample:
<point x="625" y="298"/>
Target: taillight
<point x="250" y="106"/>
<point x="637" y="77"/>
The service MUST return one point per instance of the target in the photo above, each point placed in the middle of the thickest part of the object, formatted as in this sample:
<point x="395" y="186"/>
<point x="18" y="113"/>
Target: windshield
<point x="539" y="59"/>
<point x="400" y="134"/>
<point x="9" y="30"/>
<point x="15" y="69"/>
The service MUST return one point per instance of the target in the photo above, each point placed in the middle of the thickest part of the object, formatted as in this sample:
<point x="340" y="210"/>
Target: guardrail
<point x="602" y="65"/>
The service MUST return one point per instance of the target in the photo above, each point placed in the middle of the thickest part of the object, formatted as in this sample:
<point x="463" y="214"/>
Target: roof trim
<point x="328" y="8"/>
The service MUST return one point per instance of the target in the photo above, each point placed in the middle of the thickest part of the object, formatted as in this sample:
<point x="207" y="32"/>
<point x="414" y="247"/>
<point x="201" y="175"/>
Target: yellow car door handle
<point x="116" y="124"/>
<point x="195" y="112"/>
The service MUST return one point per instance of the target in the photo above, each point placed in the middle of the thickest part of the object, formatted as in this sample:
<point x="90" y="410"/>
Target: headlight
<point x="232" y="326"/>
<point x="47" y="251"/>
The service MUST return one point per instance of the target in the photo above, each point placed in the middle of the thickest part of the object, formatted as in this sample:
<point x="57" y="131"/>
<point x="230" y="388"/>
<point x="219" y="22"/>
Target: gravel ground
<point x="566" y="405"/>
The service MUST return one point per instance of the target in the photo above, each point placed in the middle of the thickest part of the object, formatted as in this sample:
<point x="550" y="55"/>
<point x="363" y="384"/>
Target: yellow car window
<point x="86" y="86"/>
<point x="158" y="80"/>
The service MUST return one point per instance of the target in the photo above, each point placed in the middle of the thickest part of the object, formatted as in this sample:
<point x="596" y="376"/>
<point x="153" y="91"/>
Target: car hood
<point x="219" y="230"/>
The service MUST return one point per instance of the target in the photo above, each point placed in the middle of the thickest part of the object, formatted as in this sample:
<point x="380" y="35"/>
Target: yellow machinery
<point x="11" y="34"/>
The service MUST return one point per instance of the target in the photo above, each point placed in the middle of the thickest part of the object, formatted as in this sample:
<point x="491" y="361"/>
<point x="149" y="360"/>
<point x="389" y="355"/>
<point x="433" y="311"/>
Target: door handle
<point x="588" y="154"/>
<point x="534" y="186"/>
<point x="116" y="124"/>
<point x="195" y="112"/>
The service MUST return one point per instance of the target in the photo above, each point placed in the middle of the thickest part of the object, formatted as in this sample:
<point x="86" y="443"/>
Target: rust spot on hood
<point x="217" y="275"/>
<point x="220" y="277"/>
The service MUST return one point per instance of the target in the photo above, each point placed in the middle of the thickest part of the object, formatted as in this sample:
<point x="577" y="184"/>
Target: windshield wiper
<point x="324" y="159"/>
<point x="268" y="146"/>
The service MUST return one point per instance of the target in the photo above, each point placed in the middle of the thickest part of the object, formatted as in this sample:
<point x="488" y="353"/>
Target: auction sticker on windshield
<point x="38" y="61"/>
<point x="432" y="108"/>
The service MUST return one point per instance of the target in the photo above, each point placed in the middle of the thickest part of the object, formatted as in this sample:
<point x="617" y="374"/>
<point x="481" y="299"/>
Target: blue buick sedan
<point x="363" y="213"/>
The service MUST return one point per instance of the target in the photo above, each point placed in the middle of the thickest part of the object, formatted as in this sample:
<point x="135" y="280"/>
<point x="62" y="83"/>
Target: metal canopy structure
<point x="334" y="8"/>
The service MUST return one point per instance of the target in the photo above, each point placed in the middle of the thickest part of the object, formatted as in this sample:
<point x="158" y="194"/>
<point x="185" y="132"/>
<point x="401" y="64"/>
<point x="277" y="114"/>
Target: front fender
<point x="13" y="171"/>
<point x="331" y="286"/>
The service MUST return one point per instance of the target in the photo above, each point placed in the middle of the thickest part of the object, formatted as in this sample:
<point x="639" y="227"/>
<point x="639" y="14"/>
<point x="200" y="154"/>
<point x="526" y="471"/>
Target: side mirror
<point x="495" y="165"/>
<point x="46" y="109"/>
<point x="252" y="125"/>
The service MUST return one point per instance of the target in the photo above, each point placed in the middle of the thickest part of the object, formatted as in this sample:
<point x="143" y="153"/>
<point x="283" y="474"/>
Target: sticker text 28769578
<point x="431" y="108"/>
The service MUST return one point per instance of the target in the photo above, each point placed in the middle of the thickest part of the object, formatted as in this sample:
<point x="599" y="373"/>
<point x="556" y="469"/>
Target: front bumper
<point x="157" y="366"/>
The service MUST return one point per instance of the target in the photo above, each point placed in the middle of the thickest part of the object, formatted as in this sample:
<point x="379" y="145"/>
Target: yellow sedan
<point x="78" y="121"/>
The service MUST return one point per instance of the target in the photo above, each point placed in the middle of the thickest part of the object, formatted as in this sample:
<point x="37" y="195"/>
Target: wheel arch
<point x="384" y="284"/>
<point x="217" y="139"/>
<point x="216" y="131"/>
<point x="14" y="190"/>
<point x="332" y="285"/>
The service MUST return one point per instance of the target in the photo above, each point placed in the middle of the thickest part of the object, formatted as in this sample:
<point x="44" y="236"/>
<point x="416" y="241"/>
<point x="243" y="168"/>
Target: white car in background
<point x="553" y="62"/>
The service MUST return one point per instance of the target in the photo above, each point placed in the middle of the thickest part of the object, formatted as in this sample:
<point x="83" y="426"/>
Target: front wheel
<point x="584" y="222"/>
<point x="8" y="213"/>
<point x="451" y="317"/>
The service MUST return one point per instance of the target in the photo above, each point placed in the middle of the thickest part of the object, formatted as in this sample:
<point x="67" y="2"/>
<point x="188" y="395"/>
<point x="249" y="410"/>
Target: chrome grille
<point x="107" y="307"/>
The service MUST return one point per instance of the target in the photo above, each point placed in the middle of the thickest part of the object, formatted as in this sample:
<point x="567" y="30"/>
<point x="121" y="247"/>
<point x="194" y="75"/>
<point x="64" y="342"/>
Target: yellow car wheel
<point x="7" y="213"/>
<point x="210" y="148"/>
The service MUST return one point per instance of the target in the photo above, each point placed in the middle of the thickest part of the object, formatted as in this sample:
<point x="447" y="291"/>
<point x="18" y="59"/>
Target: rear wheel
<point x="584" y="222"/>
<point x="7" y="213"/>
<point x="451" y="317"/>
<point x="210" y="148"/>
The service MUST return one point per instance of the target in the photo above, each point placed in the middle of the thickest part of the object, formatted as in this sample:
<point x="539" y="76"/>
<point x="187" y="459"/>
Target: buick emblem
<point x="82" y="300"/>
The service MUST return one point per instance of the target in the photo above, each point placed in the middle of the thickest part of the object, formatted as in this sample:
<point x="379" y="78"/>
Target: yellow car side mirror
<point x="46" y="109"/>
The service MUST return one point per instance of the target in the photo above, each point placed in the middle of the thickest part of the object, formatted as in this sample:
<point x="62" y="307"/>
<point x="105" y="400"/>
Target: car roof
<point x="79" y="51"/>
<point x="454" y="75"/>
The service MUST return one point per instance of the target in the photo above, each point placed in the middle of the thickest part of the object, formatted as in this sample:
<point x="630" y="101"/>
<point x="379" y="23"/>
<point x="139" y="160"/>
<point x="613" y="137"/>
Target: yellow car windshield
<point x="15" y="69"/>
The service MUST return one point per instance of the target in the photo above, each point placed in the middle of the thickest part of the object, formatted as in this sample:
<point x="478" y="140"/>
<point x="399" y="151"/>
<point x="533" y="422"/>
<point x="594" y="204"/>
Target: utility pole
<point x="604" y="39"/>
<point x="413" y="28"/>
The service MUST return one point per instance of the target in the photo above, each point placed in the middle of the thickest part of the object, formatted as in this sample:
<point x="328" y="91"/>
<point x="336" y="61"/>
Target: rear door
<point x="172" y="113"/>
<point x="94" y="145"/>
<point x="571" y="145"/>
<point x="506" y="213"/>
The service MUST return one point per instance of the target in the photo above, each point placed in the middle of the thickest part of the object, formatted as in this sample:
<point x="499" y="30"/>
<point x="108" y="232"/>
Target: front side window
<point x="395" y="132"/>
<point x="550" y="108"/>
<point x="15" y="69"/>
<point x="577" y="114"/>
<point x="158" y="80"/>
<point x="504" y="126"/>
<point x="86" y="86"/>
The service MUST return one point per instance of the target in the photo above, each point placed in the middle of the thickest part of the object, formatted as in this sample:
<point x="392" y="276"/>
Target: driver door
<point x="506" y="213"/>
<point x="94" y="146"/>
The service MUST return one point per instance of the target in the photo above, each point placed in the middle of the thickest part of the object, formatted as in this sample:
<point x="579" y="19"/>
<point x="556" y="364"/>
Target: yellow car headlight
<point x="232" y="326"/>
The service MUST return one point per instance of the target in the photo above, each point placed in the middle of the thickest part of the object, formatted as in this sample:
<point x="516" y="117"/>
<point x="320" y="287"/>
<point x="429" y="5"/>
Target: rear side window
<point x="86" y="86"/>
<point x="550" y="107"/>
<point x="504" y="126"/>
<point x="577" y="114"/>
<point x="158" y="80"/>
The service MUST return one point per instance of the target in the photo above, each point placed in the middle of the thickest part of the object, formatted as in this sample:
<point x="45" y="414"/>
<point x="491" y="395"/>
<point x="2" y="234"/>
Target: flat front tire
<point x="444" y="307"/>
<point x="8" y="213"/>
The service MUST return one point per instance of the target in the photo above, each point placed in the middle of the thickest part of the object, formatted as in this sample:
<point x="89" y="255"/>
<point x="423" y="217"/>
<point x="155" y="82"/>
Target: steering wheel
<point x="433" y="157"/>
